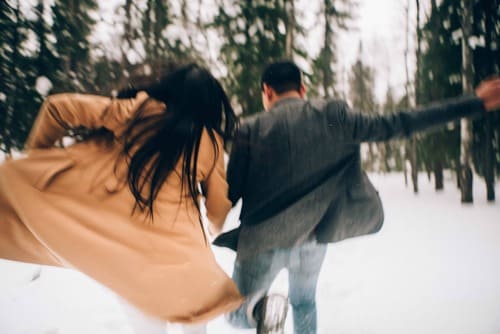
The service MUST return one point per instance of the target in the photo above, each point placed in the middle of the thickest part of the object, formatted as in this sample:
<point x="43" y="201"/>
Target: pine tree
<point x="486" y="140"/>
<point x="390" y="151"/>
<point x="441" y="78"/>
<point x="45" y="60"/>
<point x="335" y="17"/>
<point x="156" y="18"/>
<point x="149" y="46"/>
<point x="73" y="24"/>
<point x="466" y="175"/>
<point x="16" y="87"/>
<point x="411" y="147"/>
<point x="8" y="31"/>
<point x="438" y="79"/>
<point x="362" y="96"/>
<point x="195" y="27"/>
<point x="129" y="14"/>
<point x="361" y="85"/>
<point x="254" y="34"/>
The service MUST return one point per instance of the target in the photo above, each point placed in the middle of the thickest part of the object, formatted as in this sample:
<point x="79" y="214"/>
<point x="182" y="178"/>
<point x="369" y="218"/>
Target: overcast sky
<point x="381" y="28"/>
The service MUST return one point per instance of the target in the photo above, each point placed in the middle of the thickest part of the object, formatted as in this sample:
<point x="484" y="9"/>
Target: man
<point x="297" y="169"/>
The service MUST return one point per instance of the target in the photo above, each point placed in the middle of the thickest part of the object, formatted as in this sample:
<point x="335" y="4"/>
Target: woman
<point x="122" y="206"/>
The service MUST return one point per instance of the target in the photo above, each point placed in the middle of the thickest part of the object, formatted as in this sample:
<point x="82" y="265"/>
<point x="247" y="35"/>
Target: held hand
<point x="489" y="92"/>
<point x="213" y="230"/>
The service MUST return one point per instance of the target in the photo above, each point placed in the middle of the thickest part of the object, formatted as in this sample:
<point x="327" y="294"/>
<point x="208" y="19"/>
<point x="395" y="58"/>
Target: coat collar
<point x="286" y="101"/>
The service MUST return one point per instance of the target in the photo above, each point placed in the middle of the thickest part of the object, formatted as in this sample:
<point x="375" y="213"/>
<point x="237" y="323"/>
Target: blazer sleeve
<point x="360" y="127"/>
<point x="237" y="169"/>
<point x="215" y="189"/>
<point x="62" y="112"/>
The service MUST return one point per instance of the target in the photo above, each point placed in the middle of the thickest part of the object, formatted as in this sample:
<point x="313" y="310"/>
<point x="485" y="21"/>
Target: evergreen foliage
<point x="362" y="97"/>
<point x="440" y="78"/>
<point x="253" y="35"/>
<point x="336" y="15"/>
<point x="17" y="79"/>
<point x="73" y="24"/>
<point x="48" y="47"/>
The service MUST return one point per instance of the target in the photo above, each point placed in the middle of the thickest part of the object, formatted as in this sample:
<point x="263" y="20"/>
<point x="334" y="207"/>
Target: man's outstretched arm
<point x="358" y="127"/>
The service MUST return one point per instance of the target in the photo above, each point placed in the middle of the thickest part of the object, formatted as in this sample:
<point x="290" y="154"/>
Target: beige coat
<point x="71" y="207"/>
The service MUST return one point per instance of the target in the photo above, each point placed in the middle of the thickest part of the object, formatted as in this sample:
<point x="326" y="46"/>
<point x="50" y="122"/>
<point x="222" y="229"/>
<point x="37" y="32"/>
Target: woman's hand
<point x="213" y="230"/>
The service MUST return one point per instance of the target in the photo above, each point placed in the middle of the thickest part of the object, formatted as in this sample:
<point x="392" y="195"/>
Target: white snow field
<point x="434" y="268"/>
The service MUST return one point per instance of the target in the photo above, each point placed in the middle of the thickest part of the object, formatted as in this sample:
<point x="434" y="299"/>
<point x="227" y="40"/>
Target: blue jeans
<point x="255" y="275"/>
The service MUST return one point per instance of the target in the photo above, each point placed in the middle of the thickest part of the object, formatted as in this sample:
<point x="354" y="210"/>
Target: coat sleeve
<point x="62" y="112"/>
<point x="358" y="127"/>
<point x="215" y="189"/>
<point x="237" y="169"/>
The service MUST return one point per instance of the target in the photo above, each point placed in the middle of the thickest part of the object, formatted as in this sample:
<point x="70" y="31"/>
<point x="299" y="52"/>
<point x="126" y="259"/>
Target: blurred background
<point x="380" y="56"/>
<point x="434" y="266"/>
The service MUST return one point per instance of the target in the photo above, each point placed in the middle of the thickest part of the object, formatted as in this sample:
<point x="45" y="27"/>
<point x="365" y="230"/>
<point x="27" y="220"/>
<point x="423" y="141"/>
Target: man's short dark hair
<point x="282" y="76"/>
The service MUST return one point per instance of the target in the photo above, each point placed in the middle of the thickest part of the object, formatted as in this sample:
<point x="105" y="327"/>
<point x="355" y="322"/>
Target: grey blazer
<point x="297" y="169"/>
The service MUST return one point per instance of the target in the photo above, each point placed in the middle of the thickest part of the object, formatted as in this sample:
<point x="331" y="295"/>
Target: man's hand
<point x="489" y="92"/>
<point x="213" y="230"/>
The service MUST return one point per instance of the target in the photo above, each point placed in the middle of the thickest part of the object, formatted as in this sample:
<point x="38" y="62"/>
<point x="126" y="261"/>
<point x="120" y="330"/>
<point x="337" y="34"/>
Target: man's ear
<point x="268" y="91"/>
<point x="302" y="90"/>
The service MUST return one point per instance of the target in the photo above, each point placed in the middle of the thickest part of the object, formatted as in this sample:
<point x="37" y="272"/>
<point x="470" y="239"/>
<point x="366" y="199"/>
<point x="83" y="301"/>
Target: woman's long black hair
<point x="194" y="101"/>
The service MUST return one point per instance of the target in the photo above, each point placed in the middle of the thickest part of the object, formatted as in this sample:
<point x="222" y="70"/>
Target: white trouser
<point x="144" y="324"/>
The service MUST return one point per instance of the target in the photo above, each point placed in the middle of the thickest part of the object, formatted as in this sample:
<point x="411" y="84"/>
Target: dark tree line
<point x="447" y="65"/>
<point x="440" y="76"/>
<point x="47" y="47"/>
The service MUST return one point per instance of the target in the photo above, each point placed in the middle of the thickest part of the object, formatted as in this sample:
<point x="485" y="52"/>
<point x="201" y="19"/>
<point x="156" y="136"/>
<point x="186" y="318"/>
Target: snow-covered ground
<point x="434" y="268"/>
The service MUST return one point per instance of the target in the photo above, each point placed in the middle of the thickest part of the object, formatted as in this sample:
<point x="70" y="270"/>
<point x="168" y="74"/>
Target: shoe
<point x="270" y="313"/>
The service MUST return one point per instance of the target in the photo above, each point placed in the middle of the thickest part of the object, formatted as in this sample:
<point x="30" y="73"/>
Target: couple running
<point x="123" y="205"/>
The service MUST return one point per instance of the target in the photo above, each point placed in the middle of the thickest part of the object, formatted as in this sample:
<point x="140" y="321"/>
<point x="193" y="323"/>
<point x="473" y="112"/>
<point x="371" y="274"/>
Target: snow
<point x="434" y="268"/>
<point x="43" y="85"/>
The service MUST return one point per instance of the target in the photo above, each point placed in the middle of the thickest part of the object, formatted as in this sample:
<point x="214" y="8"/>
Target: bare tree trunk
<point x="417" y="100"/>
<point x="418" y="56"/>
<point x="403" y="158"/>
<point x="371" y="157"/>
<point x="466" y="177"/>
<point x="414" y="164"/>
<point x="127" y="33"/>
<point x="491" y="37"/>
<point x="290" y="26"/>
<point x="146" y="27"/>
<point x="489" y="171"/>
<point x="13" y="94"/>
<point x="438" y="174"/>
<point x="157" y="31"/>
<point x="385" y="152"/>
<point x="186" y="22"/>
<point x="42" y="39"/>
<point x="328" y="89"/>
<point x="412" y="154"/>
<point x="437" y="163"/>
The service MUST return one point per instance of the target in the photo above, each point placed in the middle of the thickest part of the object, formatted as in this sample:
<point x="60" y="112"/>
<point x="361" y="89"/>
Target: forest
<point x="48" y="47"/>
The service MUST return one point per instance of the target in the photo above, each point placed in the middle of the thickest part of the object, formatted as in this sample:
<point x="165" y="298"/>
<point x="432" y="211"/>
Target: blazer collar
<point x="286" y="101"/>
